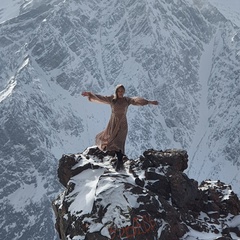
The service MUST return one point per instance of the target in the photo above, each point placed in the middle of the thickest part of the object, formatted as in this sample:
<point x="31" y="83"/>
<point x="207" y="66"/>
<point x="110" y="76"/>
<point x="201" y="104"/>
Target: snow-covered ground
<point x="9" y="9"/>
<point x="229" y="8"/>
<point x="66" y="139"/>
<point x="199" y="149"/>
<point x="12" y="8"/>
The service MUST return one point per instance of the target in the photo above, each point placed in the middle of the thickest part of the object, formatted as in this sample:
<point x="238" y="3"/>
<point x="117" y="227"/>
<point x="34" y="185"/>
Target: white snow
<point x="85" y="185"/>
<point x="28" y="193"/>
<point x="9" y="9"/>
<point x="194" y="235"/>
<point x="8" y="90"/>
<point x="234" y="222"/>
<point x="198" y="149"/>
<point x="64" y="142"/>
<point x="76" y="238"/>
<point x="229" y="8"/>
<point x="116" y="198"/>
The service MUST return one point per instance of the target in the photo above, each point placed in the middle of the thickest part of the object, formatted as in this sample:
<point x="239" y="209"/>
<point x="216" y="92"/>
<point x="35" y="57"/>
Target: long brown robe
<point x="114" y="136"/>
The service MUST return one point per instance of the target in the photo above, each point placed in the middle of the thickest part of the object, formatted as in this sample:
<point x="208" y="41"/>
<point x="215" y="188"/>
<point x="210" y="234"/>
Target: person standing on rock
<point x="114" y="136"/>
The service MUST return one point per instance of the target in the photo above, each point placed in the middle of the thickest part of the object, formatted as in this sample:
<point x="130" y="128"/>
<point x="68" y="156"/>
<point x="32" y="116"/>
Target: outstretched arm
<point x="86" y="94"/>
<point x="138" y="101"/>
<point x="153" y="102"/>
<point x="97" y="98"/>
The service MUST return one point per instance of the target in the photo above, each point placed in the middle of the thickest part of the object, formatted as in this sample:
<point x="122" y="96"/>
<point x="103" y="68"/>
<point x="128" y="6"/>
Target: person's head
<point x="119" y="91"/>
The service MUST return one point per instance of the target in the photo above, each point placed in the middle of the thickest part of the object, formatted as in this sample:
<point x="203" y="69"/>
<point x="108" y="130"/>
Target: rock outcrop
<point x="151" y="198"/>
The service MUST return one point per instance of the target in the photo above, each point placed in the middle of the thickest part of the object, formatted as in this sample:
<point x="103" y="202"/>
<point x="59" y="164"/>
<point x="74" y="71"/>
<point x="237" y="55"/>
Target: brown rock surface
<point x="151" y="198"/>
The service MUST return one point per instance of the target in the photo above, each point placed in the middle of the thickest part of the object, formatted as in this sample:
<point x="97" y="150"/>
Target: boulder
<point x="150" y="198"/>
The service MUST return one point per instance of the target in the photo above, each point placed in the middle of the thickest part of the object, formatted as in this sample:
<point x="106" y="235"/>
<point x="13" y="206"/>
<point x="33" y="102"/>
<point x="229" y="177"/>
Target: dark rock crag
<point x="151" y="198"/>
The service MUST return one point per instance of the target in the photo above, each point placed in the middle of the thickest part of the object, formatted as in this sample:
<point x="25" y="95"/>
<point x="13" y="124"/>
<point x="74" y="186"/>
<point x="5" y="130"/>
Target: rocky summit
<point x="150" y="198"/>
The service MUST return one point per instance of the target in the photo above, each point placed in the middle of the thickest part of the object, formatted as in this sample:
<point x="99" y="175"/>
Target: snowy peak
<point x="150" y="198"/>
<point x="184" y="54"/>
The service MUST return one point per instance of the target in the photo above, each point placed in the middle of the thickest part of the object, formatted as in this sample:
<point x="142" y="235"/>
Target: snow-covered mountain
<point x="184" y="54"/>
<point x="230" y="9"/>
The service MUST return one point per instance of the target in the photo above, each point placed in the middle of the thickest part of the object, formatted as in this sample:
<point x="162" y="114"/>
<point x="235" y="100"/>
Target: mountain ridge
<point x="49" y="57"/>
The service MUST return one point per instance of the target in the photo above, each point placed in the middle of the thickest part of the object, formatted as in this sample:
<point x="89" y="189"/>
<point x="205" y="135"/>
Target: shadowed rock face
<point x="150" y="198"/>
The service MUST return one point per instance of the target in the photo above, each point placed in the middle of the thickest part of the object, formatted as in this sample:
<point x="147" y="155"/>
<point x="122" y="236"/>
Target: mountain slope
<point x="229" y="9"/>
<point x="217" y="137"/>
<point x="54" y="50"/>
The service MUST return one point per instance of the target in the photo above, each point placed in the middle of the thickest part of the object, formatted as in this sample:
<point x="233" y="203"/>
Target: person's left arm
<point x="138" y="101"/>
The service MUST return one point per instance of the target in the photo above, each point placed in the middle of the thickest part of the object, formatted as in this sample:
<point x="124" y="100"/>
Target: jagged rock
<point x="151" y="198"/>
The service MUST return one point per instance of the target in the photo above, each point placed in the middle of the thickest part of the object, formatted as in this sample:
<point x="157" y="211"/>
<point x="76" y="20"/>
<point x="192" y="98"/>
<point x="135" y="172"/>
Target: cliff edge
<point x="150" y="199"/>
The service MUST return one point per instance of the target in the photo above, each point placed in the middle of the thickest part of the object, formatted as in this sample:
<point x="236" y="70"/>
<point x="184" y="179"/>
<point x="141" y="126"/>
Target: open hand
<point x="85" y="94"/>
<point x="153" y="102"/>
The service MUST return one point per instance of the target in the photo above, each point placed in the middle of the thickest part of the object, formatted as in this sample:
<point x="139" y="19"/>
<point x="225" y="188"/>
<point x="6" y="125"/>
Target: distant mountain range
<point x="184" y="54"/>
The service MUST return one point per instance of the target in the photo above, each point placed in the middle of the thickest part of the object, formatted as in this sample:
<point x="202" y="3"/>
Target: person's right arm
<point x="97" y="98"/>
